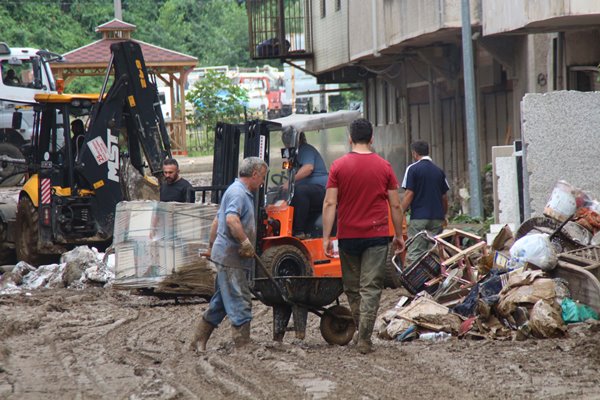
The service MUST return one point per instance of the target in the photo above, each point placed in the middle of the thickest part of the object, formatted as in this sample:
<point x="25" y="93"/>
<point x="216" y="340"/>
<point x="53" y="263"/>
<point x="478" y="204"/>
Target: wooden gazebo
<point x="169" y="66"/>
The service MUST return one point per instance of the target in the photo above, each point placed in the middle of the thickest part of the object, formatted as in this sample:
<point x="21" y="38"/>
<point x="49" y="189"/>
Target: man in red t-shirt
<point x="363" y="188"/>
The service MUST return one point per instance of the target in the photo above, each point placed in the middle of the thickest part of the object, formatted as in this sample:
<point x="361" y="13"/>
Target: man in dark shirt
<point x="426" y="195"/>
<point x="174" y="187"/>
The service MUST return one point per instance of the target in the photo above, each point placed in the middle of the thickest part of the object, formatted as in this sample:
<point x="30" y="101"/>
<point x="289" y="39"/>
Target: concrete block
<point x="560" y="131"/>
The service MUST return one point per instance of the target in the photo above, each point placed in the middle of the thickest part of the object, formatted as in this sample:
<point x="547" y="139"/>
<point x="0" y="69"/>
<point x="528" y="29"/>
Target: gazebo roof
<point x="115" y="24"/>
<point x="93" y="58"/>
<point x="98" y="53"/>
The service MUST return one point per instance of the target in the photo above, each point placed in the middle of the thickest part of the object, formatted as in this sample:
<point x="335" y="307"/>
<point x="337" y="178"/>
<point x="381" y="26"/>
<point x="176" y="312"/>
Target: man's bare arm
<point x="304" y="171"/>
<point x="445" y="203"/>
<point x="235" y="227"/>
<point x="397" y="213"/>
<point x="329" y="207"/>
<point x="407" y="199"/>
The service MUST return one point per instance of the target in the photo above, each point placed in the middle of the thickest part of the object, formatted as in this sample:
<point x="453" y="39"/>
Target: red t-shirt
<point x="363" y="181"/>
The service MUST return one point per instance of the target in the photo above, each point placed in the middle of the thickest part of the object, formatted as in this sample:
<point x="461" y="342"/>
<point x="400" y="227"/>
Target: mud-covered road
<point x="103" y="344"/>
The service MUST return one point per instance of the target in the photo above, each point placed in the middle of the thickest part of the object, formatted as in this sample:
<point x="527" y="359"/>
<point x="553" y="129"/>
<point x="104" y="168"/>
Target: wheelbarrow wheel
<point x="337" y="326"/>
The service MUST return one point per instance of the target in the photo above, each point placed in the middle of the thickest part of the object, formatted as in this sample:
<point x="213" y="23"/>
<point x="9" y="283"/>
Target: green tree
<point x="215" y="98"/>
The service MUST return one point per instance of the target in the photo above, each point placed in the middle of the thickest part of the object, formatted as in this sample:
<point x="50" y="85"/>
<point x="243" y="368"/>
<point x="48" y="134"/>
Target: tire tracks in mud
<point x="102" y="344"/>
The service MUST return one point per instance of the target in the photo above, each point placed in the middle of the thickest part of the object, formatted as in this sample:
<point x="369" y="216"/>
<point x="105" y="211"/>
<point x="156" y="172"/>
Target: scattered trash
<point x="435" y="336"/>
<point x="573" y="312"/>
<point x="534" y="249"/>
<point x="546" y="321"/>
<point x="529" y="284"/>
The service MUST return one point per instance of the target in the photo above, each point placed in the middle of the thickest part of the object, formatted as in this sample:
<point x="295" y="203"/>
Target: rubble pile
<point x="79" y="268"/>
<point x="529" y="284"/>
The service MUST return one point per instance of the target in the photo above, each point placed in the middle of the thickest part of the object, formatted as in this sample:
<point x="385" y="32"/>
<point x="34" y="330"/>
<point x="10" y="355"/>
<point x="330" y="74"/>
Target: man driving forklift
<point x="310" y="181"/>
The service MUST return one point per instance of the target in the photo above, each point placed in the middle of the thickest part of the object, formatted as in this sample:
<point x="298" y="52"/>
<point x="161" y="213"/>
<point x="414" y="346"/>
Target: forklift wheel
<point x="337" y="326"/>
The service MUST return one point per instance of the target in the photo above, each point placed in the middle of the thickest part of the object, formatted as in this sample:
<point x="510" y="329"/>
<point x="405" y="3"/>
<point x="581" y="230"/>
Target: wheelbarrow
<point x="298" y="295"/>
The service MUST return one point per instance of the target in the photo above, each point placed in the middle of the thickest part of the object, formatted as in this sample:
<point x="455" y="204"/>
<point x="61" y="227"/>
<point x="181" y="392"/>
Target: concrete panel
<point x="508" y="15"/>
<point x="508" y="195"/>
<point x="330" y="36"/>
<point x="560" y="130"/>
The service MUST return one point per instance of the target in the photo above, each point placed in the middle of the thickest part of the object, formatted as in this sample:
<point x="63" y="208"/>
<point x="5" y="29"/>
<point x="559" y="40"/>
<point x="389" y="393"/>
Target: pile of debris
<point x="79" y="268"/>
<point x="528" y="284"/>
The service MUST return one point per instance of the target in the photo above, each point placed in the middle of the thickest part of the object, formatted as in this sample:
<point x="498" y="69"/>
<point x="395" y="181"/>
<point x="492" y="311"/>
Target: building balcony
<point x="518" y="16"/>
<point x="279" y="29"/>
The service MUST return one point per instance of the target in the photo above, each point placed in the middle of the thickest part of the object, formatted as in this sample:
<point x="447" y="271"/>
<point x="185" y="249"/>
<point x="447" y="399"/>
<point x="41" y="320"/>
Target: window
<point x="19" y="73"/>
<point x="323" y="8"/>
<point x="338" y="5"/>
<point x="584" y="78"/>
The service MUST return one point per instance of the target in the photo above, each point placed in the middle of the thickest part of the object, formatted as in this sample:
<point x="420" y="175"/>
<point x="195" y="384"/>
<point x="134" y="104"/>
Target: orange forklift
<point x="302" y="278"/>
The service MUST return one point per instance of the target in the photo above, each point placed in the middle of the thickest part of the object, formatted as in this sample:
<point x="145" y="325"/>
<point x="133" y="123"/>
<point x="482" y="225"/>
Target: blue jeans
<point x="232" y="297"/>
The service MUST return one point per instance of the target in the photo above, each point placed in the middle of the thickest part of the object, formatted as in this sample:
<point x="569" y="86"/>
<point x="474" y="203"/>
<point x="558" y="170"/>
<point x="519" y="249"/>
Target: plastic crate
<point x="424" y="269"/>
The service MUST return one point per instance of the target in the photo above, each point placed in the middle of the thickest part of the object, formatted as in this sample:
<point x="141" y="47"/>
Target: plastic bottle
<point x="435" y="336"/>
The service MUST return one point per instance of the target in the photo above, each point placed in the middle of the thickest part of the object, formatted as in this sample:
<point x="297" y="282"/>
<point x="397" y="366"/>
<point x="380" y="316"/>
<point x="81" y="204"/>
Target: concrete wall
<point x="400" y="21"/>
<point x="408" y="19"/>
<point x="560" y="130"/>
<point x="507" y="15"/>
<point x="330" y="36"/>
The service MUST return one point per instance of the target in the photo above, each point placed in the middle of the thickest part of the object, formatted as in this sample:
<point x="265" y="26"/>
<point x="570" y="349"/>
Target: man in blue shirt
<point x="310" y="181"/>
<point x="425" y="194"/>
<point x="231" y="249"/>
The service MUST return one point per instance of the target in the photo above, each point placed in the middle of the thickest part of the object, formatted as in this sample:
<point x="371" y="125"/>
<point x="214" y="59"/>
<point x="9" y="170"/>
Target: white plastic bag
<point x="535" y="249"/>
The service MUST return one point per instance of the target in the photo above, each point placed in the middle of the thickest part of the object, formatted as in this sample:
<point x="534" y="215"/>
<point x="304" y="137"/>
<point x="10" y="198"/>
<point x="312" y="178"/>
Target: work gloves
<point x="246" y="249"/>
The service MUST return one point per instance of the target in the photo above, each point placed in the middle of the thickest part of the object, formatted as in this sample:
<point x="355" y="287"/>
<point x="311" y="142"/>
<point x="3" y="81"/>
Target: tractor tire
<point x="27" y="237"/>
<point x="286" y="260"/>
<point x="9" y="175"/>
<point x="337" y="326"/>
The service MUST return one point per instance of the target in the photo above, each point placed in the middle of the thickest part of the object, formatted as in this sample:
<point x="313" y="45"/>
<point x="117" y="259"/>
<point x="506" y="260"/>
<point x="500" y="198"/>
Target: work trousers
<point x="232" y="297"/>
<point x="362" y="277"/>
<point x="308" y="205"/>
<point x="421" y="245"/>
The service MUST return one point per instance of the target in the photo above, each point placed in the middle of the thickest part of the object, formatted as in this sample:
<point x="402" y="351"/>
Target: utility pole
<point x="118" y="10"/>
<point x="476" y="207"/>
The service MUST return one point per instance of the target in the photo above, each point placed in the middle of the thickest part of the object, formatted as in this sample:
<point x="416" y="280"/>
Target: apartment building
<point x="407" y="54"/>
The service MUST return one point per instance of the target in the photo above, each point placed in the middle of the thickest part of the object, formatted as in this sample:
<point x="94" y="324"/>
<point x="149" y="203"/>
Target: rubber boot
<point x="203" y="331"/>
<point x="241" y="335"/>
<point x="365" y="330"/>
<point x="355" y="310"/>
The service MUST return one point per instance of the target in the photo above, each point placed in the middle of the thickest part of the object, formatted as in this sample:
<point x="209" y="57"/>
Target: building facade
<point x="407" y="54"/>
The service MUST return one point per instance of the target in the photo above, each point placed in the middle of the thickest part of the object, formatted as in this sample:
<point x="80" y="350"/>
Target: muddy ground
<point x="103" y="344"/>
